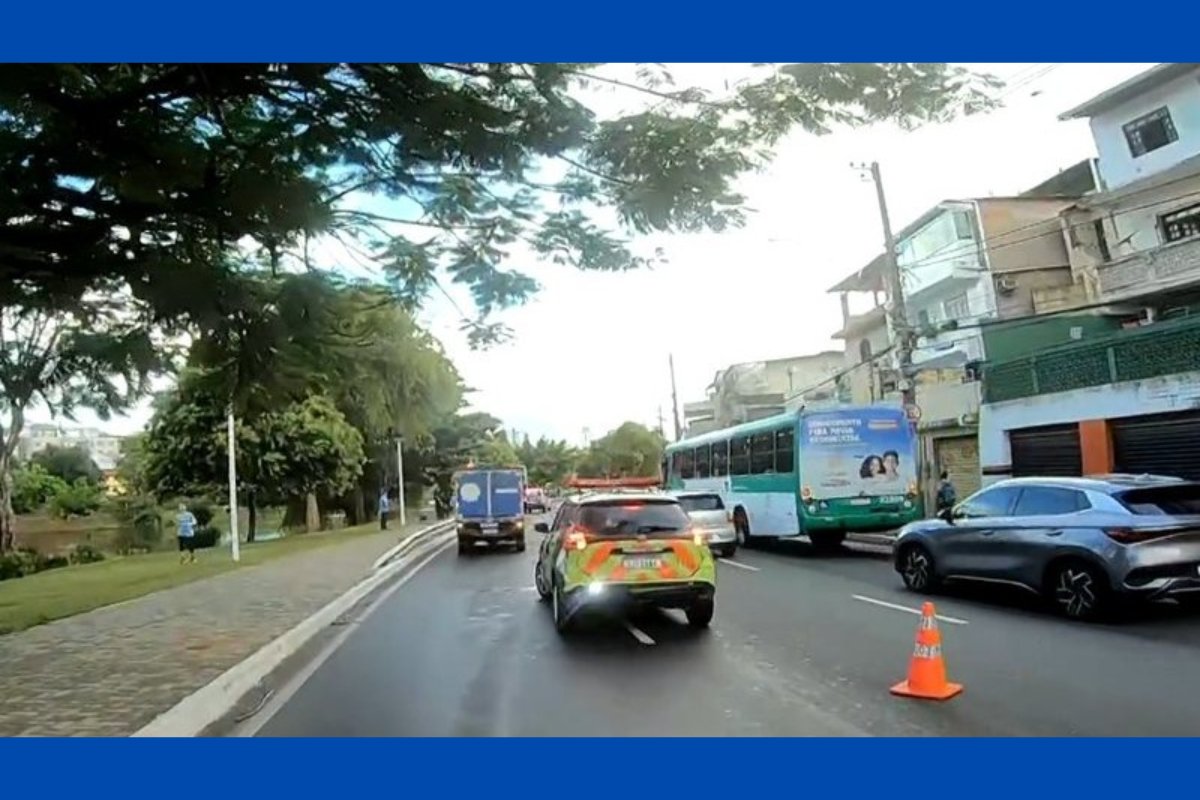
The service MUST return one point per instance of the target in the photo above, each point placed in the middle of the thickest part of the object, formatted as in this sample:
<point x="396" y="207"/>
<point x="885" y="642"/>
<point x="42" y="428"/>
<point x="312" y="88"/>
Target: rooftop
<point x="1123" y="92"/>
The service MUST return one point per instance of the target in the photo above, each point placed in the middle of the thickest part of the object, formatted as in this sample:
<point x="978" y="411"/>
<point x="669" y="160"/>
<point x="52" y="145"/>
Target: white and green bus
<point x="820" y="474"/>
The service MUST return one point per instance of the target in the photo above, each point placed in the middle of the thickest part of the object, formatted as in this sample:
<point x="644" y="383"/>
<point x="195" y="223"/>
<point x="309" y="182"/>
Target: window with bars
<point x="1149" y="132"/>
<point x="1181" y="224"/>
<point x="958" y="307"/>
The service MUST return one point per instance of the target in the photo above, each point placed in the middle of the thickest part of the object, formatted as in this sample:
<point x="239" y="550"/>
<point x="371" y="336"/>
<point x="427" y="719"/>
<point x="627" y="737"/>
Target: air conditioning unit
<point x="1006" y="285"/>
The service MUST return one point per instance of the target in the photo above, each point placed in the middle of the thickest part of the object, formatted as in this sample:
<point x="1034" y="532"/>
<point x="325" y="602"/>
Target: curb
<point x="210" y="703"/>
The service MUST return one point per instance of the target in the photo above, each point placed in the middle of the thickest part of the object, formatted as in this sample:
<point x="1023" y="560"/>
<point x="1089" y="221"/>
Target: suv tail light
<point x="1139" y="535"/>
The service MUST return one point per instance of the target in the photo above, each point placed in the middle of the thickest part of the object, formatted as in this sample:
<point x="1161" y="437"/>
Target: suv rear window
<point x="633" y="517"/>
<point x="1175" y="500"/>
<point x="702" y="502"/>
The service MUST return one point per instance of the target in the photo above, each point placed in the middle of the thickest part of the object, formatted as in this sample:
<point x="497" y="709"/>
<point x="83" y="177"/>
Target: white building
<point x="1128" y="400"/>
<point x="104" y="449"/>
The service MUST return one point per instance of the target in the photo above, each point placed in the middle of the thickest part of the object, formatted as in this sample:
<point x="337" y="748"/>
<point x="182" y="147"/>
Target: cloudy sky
<point x="591" y="350"/>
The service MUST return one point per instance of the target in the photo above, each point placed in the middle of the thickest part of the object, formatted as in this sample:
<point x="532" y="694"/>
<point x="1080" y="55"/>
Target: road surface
<point x="801" y="645"/>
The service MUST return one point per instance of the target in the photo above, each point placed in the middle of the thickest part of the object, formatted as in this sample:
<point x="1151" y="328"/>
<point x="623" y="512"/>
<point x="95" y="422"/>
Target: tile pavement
<point x="110" y="671"/>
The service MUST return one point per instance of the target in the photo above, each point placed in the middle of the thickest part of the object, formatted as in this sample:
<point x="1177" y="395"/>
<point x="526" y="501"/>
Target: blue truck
<point x="490" y="507"/>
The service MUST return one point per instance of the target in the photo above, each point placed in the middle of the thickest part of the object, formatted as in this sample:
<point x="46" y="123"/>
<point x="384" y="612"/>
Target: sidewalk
<point x="110" y="671"/>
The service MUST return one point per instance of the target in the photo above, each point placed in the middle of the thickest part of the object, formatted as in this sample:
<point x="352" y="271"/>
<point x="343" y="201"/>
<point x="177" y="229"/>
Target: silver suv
<point x="1083" y="543"/>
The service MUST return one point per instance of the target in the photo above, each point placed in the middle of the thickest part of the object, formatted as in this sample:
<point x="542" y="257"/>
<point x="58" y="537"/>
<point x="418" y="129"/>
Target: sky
<point x="590" y="351"/>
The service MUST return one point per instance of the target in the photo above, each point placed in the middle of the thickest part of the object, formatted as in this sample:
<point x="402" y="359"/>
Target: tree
<point x="458" y="441"/>
<point x="306" y="447"/>
<point x="33" y="487"/>
<point x="66" y="352"/>
<point x="549" y="462"/>
<point x="135" y="194"/>
<point x="146" y="174"/>
<point x="632" y="450"/>
<point x="68" y="463"/>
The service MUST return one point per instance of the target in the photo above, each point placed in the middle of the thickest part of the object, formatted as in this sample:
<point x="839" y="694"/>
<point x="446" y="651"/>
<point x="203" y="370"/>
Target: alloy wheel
<point x="1076" y="592"/>
<point x="917" y="569"/>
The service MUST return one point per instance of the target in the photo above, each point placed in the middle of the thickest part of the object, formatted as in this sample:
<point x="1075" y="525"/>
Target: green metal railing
<point x="1164" y="348"/>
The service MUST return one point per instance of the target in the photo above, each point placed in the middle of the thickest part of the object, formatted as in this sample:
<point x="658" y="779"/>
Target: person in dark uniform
<point x="946" y="495"/>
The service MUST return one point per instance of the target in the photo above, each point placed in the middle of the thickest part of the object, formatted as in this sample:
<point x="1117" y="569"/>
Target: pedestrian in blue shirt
<point x="185" y="523"/>
<point x="384" y="508"/>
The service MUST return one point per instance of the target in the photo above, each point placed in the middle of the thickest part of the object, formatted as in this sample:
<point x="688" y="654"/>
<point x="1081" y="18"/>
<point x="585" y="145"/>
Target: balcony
<point x="1172" y="266"/>
<point x="1165" y="348"/>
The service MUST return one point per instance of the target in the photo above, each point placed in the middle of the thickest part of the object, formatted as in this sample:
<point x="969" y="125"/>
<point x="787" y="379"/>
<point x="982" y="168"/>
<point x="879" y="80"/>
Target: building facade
<point x="754" y="390"/>
<point x="104" y="449"/>
<point x="964" y="264"/>
<point x="1121" y="391"/>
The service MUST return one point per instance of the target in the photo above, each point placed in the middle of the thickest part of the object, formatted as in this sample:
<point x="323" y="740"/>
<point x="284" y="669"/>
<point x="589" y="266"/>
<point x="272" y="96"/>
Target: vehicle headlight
<point x="595" y="588"/>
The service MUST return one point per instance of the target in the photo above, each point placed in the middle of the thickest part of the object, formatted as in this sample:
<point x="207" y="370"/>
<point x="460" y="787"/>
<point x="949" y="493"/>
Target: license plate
<point x="861" y="501"/>
<point x="643" y="562"/>
<point x="491" y="530"/>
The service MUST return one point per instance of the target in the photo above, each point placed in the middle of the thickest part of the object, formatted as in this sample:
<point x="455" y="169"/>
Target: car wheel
<point x="700" y="613"/>
<point x="520" y="543"/>
<point x="464" y="548"/>
<point x="729" y="552"/>
<point x="558" y="607"/>
<point x="917" y="569"/>
<point x="1077" y="590"/>
<point x="741" y="528"/>
<point x="540" y="583"/>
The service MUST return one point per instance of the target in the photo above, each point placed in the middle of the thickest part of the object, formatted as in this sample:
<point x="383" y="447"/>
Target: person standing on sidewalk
<point x="384" y="508"/>
<point x="185" y="523"/>
<point x="946" y="495"/>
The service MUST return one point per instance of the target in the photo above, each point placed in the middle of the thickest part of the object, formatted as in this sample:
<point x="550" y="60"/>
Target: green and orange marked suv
<point x="622" y="546"/>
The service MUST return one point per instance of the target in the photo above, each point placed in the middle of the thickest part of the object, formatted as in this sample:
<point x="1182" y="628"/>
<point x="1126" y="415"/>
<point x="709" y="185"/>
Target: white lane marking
<point x="249" y="727"/>
<point x="737" y="564"/>
<point x="917" y="611"/>
<point x="638" y="633"/>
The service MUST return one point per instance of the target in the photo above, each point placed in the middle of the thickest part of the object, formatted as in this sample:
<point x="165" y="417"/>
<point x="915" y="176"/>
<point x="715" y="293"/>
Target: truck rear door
<point x="507" y="493"/>
<point x="473" y="495"/>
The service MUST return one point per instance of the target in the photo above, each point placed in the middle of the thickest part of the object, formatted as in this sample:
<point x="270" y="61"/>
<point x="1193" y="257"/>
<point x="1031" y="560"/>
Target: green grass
<point x="54" y="594"/>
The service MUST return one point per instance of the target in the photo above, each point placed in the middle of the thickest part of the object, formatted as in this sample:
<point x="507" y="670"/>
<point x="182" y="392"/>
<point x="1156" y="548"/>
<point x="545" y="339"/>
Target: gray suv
<point x="1083" y="543"/>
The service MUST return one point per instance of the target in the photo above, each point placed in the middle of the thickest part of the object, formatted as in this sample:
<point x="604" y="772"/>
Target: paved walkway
<point x="111" y="671"/>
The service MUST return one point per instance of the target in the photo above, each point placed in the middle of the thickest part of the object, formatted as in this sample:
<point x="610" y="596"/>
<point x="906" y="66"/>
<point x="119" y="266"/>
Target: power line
<point x="1061" y="229"/>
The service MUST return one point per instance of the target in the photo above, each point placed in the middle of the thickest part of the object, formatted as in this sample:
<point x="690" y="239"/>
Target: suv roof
<point x="1116" y="482"/>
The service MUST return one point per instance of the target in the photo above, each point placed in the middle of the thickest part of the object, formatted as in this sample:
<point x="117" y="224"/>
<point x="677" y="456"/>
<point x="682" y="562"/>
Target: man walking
<point x="185" y="523"/>
<point x="384" y="508"/>
<point x="946" y="495"/>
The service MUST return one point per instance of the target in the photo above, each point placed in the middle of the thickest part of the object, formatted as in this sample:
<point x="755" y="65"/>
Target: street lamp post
<point x="400" y="478"/>
<point x="234" y="545"/>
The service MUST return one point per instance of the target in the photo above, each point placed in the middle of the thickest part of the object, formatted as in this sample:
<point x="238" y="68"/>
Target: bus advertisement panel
<point x="860" y="452"/>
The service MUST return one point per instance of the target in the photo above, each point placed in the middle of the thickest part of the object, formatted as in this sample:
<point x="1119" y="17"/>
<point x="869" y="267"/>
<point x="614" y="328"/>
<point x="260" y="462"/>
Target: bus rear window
<point x="633" y="517"/>
<point x="1177" y="500"/>
<point x="702" y="502"/>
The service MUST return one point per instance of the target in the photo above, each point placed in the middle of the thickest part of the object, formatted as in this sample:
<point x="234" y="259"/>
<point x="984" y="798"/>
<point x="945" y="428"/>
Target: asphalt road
<point x="801" y="645"/>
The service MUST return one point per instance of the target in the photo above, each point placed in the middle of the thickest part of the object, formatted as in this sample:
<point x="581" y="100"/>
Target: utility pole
<point x="662" y="425"/>
<point x="400" y="478"/>
<point x="895" y="289"/>
<point x="674" y="397"/>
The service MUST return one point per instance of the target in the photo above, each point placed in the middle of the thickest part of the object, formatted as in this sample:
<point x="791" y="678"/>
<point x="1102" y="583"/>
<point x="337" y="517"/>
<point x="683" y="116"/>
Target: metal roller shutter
<point x="1161" y="444"/>
<point x="1052" y="450"/>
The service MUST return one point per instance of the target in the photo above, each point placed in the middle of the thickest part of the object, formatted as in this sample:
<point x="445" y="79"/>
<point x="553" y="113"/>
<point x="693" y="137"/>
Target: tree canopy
<point x="70" y="463"/>
<point x="631" y="450"/>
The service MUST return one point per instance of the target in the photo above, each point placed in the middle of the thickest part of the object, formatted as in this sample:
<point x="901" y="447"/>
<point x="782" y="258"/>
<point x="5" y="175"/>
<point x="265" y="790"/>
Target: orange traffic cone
<point x="926" y="669"/>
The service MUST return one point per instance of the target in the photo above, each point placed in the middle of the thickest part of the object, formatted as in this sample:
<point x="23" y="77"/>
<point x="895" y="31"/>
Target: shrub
<point x="206" y="536"/>
<point x="141" y="524"/>
<point x="10" y="566"/>
<point x="84" y="554"/>
<point x="203" y="511"/>
<point x="33" y="487"/>
<point x="77" y="500"/>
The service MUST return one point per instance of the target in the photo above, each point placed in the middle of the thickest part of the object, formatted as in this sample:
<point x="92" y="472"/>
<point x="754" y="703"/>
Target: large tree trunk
<point x="251" y="516"/>
<point x="8" y="448"/>
<point x="8" y="520"/>
<point x="358" y="506"/>
<point x="312" y="514"/>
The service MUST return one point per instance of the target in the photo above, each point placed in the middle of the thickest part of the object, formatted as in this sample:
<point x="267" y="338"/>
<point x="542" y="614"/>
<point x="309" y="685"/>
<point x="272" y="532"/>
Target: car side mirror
<point x="542" y="527"/>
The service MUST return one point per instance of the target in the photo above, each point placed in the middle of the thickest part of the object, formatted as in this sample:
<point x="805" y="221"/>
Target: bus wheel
<point x="741" y="527"/>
